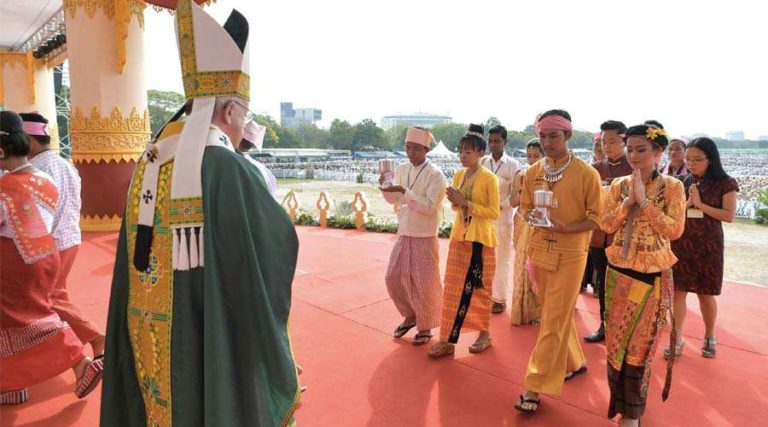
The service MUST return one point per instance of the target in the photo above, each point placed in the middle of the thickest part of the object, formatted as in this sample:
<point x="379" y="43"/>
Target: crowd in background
<point x="749" y="169"/>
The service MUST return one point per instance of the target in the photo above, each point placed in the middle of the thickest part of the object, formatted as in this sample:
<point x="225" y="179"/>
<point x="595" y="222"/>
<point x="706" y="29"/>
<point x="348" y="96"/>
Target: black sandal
<point x="422" y="338"/>
<point x="571" y="375"/>
<point x="522" y="400"/>
<point x="403" y="329"/>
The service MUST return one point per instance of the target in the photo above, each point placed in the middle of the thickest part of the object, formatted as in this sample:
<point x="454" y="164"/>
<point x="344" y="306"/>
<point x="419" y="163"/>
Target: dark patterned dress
<point x="700" y="250"/>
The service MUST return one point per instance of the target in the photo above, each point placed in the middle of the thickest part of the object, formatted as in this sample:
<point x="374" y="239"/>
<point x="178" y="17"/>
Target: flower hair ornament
<point x="653" y="132"/>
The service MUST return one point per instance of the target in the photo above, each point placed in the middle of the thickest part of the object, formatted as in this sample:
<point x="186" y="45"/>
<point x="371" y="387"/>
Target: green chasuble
<point x="208" y="346"/>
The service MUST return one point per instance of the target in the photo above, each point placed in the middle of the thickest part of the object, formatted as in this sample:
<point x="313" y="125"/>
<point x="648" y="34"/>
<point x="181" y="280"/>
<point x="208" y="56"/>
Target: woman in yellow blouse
<point x="467" y="296"/>
<point x="646" y="210"/>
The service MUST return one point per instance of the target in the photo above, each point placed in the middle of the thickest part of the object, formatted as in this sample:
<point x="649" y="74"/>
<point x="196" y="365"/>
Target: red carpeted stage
<point x="358" y="375"/>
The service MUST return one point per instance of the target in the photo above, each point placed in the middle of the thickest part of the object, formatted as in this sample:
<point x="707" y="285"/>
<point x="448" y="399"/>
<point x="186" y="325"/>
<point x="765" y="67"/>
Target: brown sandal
<point x="441" y="349"/>
<point x="480" y="346"/>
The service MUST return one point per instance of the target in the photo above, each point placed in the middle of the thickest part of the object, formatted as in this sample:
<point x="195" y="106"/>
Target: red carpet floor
<point x="359" y="376"/>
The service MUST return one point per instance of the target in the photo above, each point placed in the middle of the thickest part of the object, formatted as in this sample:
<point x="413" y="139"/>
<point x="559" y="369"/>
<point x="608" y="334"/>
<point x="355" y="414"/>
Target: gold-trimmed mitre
<point x="214" y="59"/>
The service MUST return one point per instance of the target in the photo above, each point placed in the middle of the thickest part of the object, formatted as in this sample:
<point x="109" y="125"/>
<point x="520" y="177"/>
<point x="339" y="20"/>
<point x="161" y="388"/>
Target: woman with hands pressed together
<point x="467" y="296"/>
<point x="711" y="201"/>
<point x="646" y="210"/>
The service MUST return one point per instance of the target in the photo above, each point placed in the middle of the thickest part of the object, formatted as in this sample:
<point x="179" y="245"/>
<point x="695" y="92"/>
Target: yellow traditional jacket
<point x="577" y="198"/>
<point x="642" y="241"/>
<point x="484" y="208"/>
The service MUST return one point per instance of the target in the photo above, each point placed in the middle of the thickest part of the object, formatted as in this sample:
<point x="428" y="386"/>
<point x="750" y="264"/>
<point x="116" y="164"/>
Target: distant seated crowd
<point x="749" y="169"/>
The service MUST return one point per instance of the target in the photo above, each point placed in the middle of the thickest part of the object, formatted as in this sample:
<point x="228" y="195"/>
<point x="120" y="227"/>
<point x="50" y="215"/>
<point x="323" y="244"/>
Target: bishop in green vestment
<point x="198" y="314"/>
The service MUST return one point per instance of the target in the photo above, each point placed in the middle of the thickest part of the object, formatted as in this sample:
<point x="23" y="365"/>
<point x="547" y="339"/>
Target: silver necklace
<point x="553" y="174"/>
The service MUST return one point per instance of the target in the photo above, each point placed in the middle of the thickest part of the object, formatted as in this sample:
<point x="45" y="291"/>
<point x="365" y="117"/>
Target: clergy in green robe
<point x="207" y="346"/>
<point x="197" y="333"/>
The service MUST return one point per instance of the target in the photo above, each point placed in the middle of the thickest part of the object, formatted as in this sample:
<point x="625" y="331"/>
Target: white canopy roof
<point x="21" y="18"/>
<point x="441" y="150"/>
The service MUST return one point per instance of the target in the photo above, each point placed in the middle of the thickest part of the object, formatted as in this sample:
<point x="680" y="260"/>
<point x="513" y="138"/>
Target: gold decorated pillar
<point x="26" y="85"/>
<point x="109" y="124"/>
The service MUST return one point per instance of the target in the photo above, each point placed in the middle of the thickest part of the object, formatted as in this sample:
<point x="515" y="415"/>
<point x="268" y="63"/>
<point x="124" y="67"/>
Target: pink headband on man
<point x="553" y="122"/>
<point x="36" y="129"/>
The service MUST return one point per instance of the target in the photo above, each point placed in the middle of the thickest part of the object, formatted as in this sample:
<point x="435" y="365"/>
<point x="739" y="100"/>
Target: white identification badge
<point x="695" y="213"/>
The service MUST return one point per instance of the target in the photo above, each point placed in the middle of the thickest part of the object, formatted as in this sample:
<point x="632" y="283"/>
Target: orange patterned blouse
<point x="642" y="241"/>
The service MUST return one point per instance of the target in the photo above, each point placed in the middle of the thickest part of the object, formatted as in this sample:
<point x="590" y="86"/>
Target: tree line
<point x="366" y="135"/>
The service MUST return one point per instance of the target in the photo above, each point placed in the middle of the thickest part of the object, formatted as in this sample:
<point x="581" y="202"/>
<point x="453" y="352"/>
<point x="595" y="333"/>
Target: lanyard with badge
<point x="410" y="185"/>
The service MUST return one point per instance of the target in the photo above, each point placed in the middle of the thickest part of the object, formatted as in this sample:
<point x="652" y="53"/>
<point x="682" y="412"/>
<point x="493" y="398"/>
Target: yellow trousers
<point x="558" y="348"/>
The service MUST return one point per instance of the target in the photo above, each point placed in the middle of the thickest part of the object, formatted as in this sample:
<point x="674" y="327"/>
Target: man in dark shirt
<point x="613" y="166"/>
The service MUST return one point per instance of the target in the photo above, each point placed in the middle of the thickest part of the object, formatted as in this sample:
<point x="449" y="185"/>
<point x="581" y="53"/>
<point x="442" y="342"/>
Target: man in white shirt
<point x="413" y="274"/>
<point x="66" y="225"/>
<point x="505" y="168"/>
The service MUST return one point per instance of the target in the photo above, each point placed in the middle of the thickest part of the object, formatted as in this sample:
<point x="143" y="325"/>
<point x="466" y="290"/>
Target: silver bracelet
<point x="645" y="203"/>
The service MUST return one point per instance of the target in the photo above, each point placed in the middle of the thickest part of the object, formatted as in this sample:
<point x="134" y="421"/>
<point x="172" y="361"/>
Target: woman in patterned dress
<point x="646" y="210"/>
<point x="467" y="296"/>
<point x="711" y="201"/>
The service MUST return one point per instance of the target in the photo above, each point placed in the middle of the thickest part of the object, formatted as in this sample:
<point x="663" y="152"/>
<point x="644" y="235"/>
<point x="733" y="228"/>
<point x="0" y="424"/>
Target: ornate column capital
<point x="110" y="138"/>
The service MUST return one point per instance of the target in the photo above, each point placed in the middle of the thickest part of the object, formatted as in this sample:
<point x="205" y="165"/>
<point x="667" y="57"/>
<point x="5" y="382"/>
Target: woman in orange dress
<point x="35" y="344"/>
<point x="468" y="292"/>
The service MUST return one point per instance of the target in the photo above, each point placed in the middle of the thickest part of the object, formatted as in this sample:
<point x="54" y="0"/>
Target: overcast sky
<point x="696" y="66"/>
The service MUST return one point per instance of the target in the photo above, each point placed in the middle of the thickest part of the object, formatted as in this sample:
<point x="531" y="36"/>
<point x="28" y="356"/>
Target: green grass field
<point x="746" y="244"/>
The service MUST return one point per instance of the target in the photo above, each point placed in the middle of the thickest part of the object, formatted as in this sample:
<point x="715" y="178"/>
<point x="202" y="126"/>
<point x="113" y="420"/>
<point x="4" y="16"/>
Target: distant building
<point x="735" y="136"/>
<point x="424" y="120"/>
<point x="762" y="138"/>
<point x="293" y="118"/>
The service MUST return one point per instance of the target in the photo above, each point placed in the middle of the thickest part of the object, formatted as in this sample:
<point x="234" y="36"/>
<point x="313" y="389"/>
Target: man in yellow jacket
<point x="557" y="254"/>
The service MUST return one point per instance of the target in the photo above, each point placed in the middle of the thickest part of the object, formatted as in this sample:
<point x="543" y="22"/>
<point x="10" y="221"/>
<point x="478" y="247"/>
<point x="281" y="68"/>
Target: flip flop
<point x="522" y="400"/>
<point x="571" y="375"/>
<point x="403" y="329"/>
<point x="479" y="347"/>
<point x="91" y="377"/>
<point x="422" y="338"/>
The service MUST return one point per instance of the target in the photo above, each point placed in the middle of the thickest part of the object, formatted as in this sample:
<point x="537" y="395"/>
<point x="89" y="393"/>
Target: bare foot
<point x="97" y="344"/>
